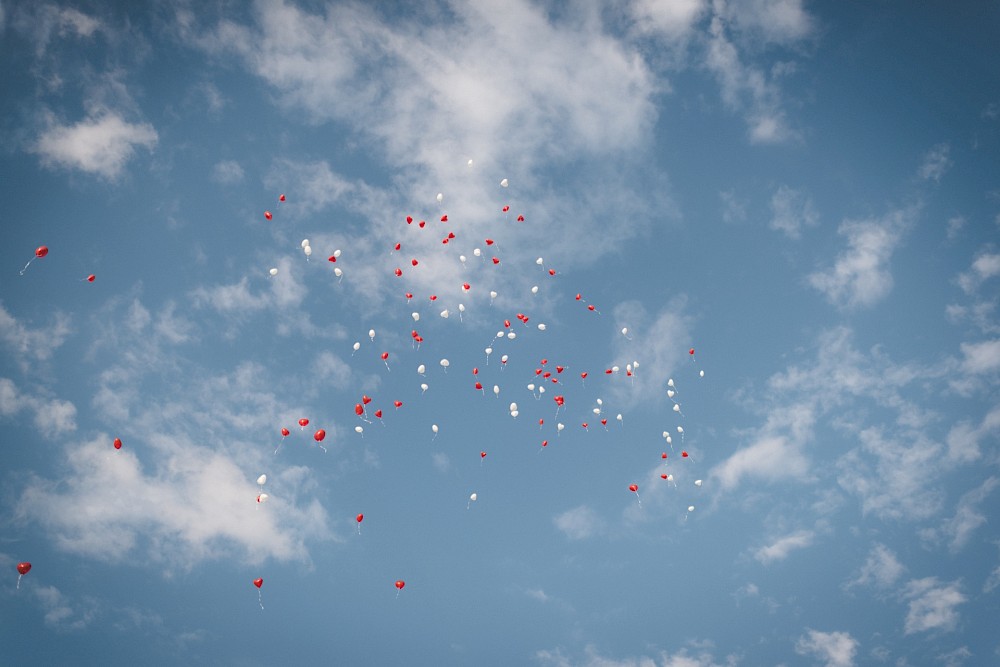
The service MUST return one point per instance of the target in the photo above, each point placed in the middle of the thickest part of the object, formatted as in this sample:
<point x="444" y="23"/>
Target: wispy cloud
<point x="101" y="144"/>
<point x="881" y="569"/>
<point x="958" y="529"/>
<point x="792" y="210"/>
<point x="783" y="546"/>
<point x="936" y="162"/>
<point x="986" y="265"/>
<point x="579" y="523"/>
<point x="932" y="605"/>
<point x="227" y="172"/>
<point x="30" y="345"/>
<point x="860" y="276"/>
<point x="832" y="649"/>
<point x="61" y="612"/>
<point x="52" y="416"/>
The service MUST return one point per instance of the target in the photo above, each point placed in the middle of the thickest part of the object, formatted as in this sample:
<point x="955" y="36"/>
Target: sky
<point x="765" y="231"/>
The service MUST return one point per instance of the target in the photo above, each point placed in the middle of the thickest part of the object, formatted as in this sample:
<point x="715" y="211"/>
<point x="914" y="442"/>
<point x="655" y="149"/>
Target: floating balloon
<point x="472" y="499"/>
<point x="697" y="482"/>
<point x="440" y="197"/>
<point x="319" y="435"/>
<point x="91" y="278"/>
<point x="303" y="422"/>
<point x="504" y="183"/>
<point x="400" y="584"/>
<point x="262" y="498"/>
<point x="262" y="480"/>
<point x="273" y="272"/>
<point x="258" y="582"/>
<point x="118" y="443"/>
<point x="359" y="518"/>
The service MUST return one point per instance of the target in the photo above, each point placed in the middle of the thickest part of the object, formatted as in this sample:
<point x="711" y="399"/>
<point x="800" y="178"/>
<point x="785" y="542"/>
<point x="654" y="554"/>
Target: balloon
<point x="258" y="582"/>
<point x="359" y="409"/>
<point x="357" y="346"/>
<point x="701" y="373"/>
<point x="273" y="272"/>
<point x="303" y="422"/>
<point x="445" y="313"/>
<point x="513" y="407"/>
<point x="281" y="197"/>
<point x="473" y="497"/>
<point x="308" y="251"/>
<point x="337" y="272"/>
<point x="91" y="278"/>
<point x="359" y="429"/>
<point x="634" y="488"/>
<point x="366" y="399"/>
<point x="398" y="404"/>
<point x="423" y="386"/>
<point x="400" y="583"/>
<point x="319" y="435"/>
<point x="267" y="215"/>
<point x="534" y="289"/>
<point x="23" y="568"/>
<point x="284" y="432"/>
<point x="304" y="244"/>
<point x="691" y="351"/>
<point x="504" y="183"/>
<point x="496" y="390"/>
<point x="262" y="498"/>
<point x="445" y="363"/>
<point x="697" y="482"/>
<point x="434" y="427"/>
<point x="359" y="518"/>
<point x="482" y="455"/>
<point x="539" y="261"/>
<point x="541" y="327"/>
<point x="118" y="443"/>
<point x="371" y="334"/>
<point x="477" y="252"/>
<point x="336" y="253"/>
<point x="415" y="316"/>
<point x="262" y="480"/>
<point x="385" y="355"/>
<point x="440" y="197"/>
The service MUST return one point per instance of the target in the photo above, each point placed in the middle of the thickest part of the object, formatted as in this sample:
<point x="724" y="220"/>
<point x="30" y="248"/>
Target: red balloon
<point x="634" y="488"/>
<point x="691" y="351"/>
<point x="663" y="455"/>
<point x="684" y="455"/>
<point x="366" y="399"/>
<point x="409" y="220"/>
<point x="398" y="404"/>
<point x="479" y="385"/>
<point x="258" y="582"/>
<point x="663" y="476"/>
<point x="400" y="583"/>
<point x="559" y="400"/>
<point x="466" y="286"/>
<point x="331" y="258"/>
<point x="409" y="295"/>
<point x="281" y="197"/>
<point x="444" y="218"/>
<point x="421" y="224"/>
<point x="284" y="431"/>
<point x="399" y="272"/>
<point x="482" y="455"/>
<point x="489" y="242"/>
<point x="496" y="260"/>
<point x="359" y="518"/>
<point x="118" y="443"/>
<point x="414" y="262"/>
<point x="378" y="413"/>
<point x="591" y="308"/>
<point x="267" y="215"/>
<point x="520" y="218"/>
<point x="506" y="208"/>
<point x="433" y="297"/>
<point x="319" y="435"/>
<point x="91" y="278"/>
<point x="359" y="409"/>
<point x="385" y="355"/>
<point x="303" y="422"/>
<point x="41" y="251"/>
<point x="23" y="568"/>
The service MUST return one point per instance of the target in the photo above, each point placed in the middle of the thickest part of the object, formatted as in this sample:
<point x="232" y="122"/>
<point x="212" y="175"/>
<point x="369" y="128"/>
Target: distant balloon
<point x="697" y="482"/>
<point x="319" y="435"/>
<point x="504" y="183"/>
<point x="440" y="197"/>
<point x="303" y="422"/>
<point x="273" y="272"/>
<point x="267" y="215"/>
<point x="118" y="443"/>
<point x="23" y="568"/>
<point x="91" y="278"/>
<point x="258" y="582"/>
<point x="262" y="498"/>
<point x="262" y="480"/>
<point x="400" y="584"/>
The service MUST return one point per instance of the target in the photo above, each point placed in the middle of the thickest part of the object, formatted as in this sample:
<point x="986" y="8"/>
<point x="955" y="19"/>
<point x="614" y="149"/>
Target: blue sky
<point x="806" y="194"/>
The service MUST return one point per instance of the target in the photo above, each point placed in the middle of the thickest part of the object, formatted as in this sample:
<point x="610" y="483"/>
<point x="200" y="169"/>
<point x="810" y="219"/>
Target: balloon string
<point x="27" y="265"/>
<point x="260" y="600"/>
<point x="19" y="582"/>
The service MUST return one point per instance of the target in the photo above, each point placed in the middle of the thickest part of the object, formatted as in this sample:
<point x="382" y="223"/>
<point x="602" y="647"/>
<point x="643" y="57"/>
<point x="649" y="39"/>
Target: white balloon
<point x="503" y="359"/>
<point x="493" y="294"/>
<point x="670" y="393"/>
<point x="273" y="272"/>
<point x="434" y="427"/>
<point x="357" y="346"/>
<point x="624" y="331"/>
<point x="697" y="482"/>
<point x="336" y="253"/>
<point x="359" y="429"/>
<point x="514" y="414"/>
<point x="677" y="407"/>
<point x="680" y="429"/>
<point x="415" y="316"/>
<point x="560" y="426"/>
<point x="619" y="417"/>
<point x="541" y="390"/>
<point x="513" y="407"/>
<point x="421" y="368"/>
<point x="470" y="163"/>
<point x="445" y="363"/>
<point x="423" y="386"/>
<point x="371" y="334"/>
<point x="262" y="498"/>
<point x="511" y="335"/>
<point x="541" y="326"/>
<point x="531" y="386"/>
<point x="477" y="252"/>
<point x="488" y="351"/>
<point x="261" y="480"/>
<point x="496" y="389"/>
<point x="504" y="183"/>
<point x="701" y="373"/>
<point x="534" y="289"/>
<point x="600" y="401"/>
<point x="304" y="244"/>
<point x="628" y="368"/>
<point x="461" y="258"/>
<point x="669" y="440"/>
<point x="445" y="313"/>
<point x="596" y="411"/>
<point x="308" y="251"/>
<point x="473" y="497"/>
<point x="614" y="369"/>
<point x="690" y="508"/>
<point x="539" y="261"/>
<point x="440" y="197"/>
<point x="337" y="272"/>
<point x="461" y="307"/>
<point x="666" y="435"/>
<point x="670" y="382"/>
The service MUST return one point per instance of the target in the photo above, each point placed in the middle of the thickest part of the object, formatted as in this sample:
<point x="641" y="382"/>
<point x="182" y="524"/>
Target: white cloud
<point x="52" y="417"/>
<point x="776" y="21"/>
<point x="964" y="438"/>
<point x="32" y="345"/>
<point x="672" y="18"/>
<point x="881" y="569"/>
<point x="101" y="144"/>
<point x="958" y="530"/>
<point x="61" y="612"/>
<point x="770" y="458"/>
<point x="194" y="504"/>
<point x="860" y="276"/>
<point x="591" y="657"/>
<point x="932" y="605"/>
<point x="783" y="546"/>
<point x="791" y="211"/>
<point x="985" y="266"/>
<point x="227" y="172"/>
<point x="982" y="357"/>
<point x="936" y="163"/>
<point x="579" y="523"/>
<point x="832" y="649"/>
<point x="655" y="336"/>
